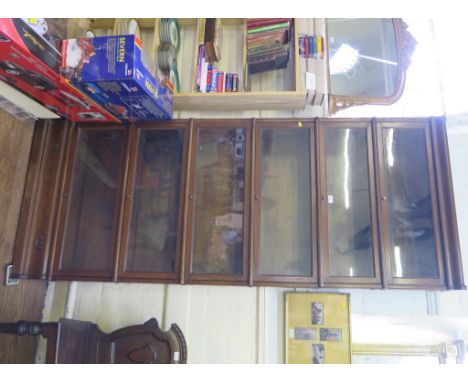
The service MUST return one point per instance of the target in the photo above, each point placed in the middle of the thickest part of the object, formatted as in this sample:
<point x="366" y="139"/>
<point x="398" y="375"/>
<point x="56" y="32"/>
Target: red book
<point x="220" y="82"/>
<point x="209" y="73"/>
<point x="306" y="47"/>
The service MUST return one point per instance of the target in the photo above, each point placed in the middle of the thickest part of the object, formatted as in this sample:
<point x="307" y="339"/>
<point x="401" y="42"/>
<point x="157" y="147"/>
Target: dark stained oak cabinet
<point x="318" y="202"/>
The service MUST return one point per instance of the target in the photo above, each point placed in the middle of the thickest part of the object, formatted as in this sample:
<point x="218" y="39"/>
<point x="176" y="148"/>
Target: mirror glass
<point x="363" y="57"/>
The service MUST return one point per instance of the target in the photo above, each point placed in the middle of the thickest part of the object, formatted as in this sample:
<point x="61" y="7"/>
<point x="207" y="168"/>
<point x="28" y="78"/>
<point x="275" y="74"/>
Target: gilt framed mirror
<point x="367" y="61"/>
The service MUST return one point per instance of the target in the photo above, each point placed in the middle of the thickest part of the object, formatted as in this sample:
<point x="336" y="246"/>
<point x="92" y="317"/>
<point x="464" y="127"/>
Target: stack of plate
<point x="127" y="26"/>
<point x="169" y="36"/>
<point x="169" y="32"/>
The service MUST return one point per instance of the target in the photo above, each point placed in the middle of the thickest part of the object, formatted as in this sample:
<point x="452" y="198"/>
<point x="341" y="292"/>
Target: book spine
<point x="319" y="47"/>
<point x="228" y="84"/>
<point x="235" y="82"/>
<point x="306" y="47"/>
<point x="255" y="23"/>
<point x="214" y="79"/>
<point x="201" y="58"/>
<point x="268" y="28"/>
<point x="204" y="75"/>
<point x="301" y="46"/>
<point x="220" y="82"/>
<point x="209" y="72"/>
<point x="322" y="39"/>
<point x="311" y="47"/>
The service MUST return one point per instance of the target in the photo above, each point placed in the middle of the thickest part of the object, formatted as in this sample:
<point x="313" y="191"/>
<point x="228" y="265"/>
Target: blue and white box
<point x="116" y="73"/>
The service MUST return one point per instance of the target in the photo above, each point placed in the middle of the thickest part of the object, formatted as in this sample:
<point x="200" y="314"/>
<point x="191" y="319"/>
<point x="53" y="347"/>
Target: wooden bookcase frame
<point x="45" y="205"/>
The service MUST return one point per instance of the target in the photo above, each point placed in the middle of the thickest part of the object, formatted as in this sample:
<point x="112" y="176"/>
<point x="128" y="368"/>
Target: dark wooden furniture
<point x="313" y="202"/>
<point x="73" y="341"/>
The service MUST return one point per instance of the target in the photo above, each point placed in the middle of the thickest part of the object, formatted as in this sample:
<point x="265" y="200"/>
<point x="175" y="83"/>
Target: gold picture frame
<point x="317" y="328"/>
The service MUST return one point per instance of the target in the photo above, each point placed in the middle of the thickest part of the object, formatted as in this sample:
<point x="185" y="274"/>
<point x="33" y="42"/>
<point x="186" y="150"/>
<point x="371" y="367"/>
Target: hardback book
<point x="272" y="63"/>
<point x="269" y="27"/>
<point x="228" y="83"/>
<point x="256" y="23"/>
<point x="220" y="82"/>
<point x="213" y="28"/>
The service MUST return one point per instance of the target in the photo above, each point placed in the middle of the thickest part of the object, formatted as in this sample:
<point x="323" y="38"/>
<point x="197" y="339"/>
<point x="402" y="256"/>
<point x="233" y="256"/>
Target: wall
<point x="245" y="325"/>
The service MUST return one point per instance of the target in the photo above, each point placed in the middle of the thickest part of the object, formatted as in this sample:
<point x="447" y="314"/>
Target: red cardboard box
<point x="30" y="61"/>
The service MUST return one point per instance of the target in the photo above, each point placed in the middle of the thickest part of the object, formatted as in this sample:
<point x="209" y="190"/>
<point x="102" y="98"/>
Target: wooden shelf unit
<point x="189" y="100"/>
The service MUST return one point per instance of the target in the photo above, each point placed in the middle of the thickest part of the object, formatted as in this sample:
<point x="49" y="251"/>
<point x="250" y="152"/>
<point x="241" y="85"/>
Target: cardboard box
<point x="114" y="72"/>
<point x="30" y="59"/>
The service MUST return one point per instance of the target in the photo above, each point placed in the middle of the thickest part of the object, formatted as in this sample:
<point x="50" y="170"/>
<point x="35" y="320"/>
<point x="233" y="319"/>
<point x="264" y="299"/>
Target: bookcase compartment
<point x="274" y="90"/>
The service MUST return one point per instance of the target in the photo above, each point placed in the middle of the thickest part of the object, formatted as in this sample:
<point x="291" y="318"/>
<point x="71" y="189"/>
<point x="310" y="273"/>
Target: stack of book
<point x="312" y="47"/>
<point x="210" y="79"/>
<point x="268" y="44"/>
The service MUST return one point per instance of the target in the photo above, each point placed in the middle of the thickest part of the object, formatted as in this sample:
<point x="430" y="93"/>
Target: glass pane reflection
<point x="409" y="204"/>
<point x="348" y="198"/>
<point x="285" y="237"/>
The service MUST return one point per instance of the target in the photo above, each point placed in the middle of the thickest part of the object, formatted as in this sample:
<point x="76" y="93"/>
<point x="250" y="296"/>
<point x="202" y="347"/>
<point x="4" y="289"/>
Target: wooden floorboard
<point x="26" y="300"/>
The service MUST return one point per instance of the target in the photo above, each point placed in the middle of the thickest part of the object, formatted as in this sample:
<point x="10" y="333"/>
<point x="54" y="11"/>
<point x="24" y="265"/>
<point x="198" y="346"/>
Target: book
<point x="201" y="58"/>
<point x="203" y="76"/>
<point x="278" y="34"/>
<point x="269" y="27"/>
<point x="319" y="47"/>
<point x="269" y="53"/>
<point x="228" y="83"/>
<point x="311" y="47"/>
<point x="209" y="73"/>
<point x="272" y="63"/>
<point x="322" y="39"/>
<point x="214" y="79"/>
<point x="301" y="46"/>
<point x="212" y="39"/>
<point x="235" y="82"/>
<point x="220" y="82"/>
<point x="255" y="23"/>
<point x="306" y="47"/>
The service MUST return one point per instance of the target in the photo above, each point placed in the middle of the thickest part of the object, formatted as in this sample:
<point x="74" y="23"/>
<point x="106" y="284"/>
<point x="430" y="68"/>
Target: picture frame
<point x="317" y="327"/>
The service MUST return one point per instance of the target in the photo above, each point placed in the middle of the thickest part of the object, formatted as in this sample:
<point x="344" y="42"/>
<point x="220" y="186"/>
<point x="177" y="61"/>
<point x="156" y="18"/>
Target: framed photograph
<point x="318" y="353"/>
<point x="317" y="313"/>
<point x="301" y="333"/>
<point x="317" y="328"/>
<point x="330" y="334"/>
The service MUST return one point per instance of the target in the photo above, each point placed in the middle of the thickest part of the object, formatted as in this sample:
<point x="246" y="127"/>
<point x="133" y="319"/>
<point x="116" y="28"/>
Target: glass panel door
<point x="94" y="194"/>
<point x="408" y="198"/>
<point x="284" y="230"/>
<point x="219" y="240"/>
<point x="154" y="220"/>
<point x="349" y="245"/>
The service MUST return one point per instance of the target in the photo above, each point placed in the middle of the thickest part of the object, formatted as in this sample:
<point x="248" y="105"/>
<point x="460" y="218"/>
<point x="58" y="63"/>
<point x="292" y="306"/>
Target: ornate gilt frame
<point x="406" y="44"/>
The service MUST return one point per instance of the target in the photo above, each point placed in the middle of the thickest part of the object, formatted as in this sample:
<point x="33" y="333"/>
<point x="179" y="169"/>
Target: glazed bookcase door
<point x="411" y="242"/>
<point x="151" y="236"/>
<point x="91" y="202"/>
<point x="218" y="203"/>
<point x="348" y="244"/>
<point x="284" y="238"/>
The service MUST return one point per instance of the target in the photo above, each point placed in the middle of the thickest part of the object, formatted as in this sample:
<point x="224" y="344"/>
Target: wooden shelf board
<point x="287" y="100"/>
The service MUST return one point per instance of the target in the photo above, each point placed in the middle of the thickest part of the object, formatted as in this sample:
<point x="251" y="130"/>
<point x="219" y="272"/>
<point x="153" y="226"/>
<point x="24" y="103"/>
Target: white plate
<point x="133" y="28"/>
